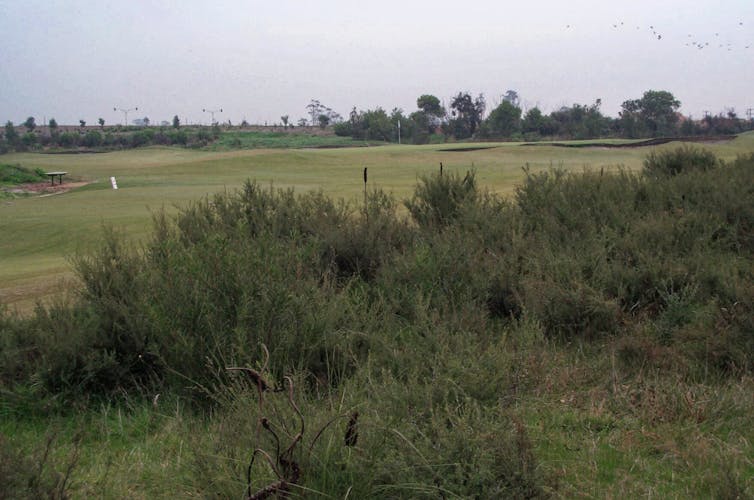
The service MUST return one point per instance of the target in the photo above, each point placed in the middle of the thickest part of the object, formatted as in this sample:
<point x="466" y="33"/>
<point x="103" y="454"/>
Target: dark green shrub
<point x="141" y="138"/>
<point x="571" y="310"/>
<point x="343" y="129"/>
<point x="178" y="137"/>
<point x="361" y="245"/>
<point x="440" y="199"/>
<point x="668" y="163"/>
<point x="69" y="139"/>
<point x="29" y="140"/>
<point x="92" y="139"/>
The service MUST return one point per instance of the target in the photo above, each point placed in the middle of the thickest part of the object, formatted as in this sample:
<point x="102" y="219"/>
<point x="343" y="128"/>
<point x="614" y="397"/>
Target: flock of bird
<point x="692" y="41"/>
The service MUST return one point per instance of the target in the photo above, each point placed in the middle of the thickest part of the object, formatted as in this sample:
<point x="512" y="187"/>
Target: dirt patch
<point x="639" y="144"/>
<point x="43" y="188"/>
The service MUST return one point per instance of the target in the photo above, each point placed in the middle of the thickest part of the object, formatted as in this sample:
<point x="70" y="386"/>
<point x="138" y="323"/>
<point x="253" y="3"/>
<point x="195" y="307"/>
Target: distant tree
<point x="429" y="117"/>
<point x="688" y="126"/>
<point x="284" y="119"/>
<point x="11" y="134"/>
<point x="30" y="124"/>
<point x="314" y="108"/>
<point x="343" y="129"/>
<point x="658" y="109"/>
<point x="504" y="120"/>
<point x="29" y="139"/>
<point x="467" y="114"/>
<point x="430" y="105"/>
<point x="101" y="122"/>
<point x="323" y="120"/>
<point x="512" y="97"/>
<point x="54" y="135"/>
<point x="581" y="121"/>
<point x="594" y="123"/>
<point x="654" y="114"/>
<point x="533" y="121"/>
<point x="630" y="119"/>
<point x="302" y="122"/>
<point x="370" y="124"/>
<point x="422" y="126"/>
<point x="176" y="122"/>
<point x="69" y="139"/>
<point x="82" y="123"/>
<point x="377" y="125"/>
<point x="244" y="123"/>
<point x="317" y="109"/>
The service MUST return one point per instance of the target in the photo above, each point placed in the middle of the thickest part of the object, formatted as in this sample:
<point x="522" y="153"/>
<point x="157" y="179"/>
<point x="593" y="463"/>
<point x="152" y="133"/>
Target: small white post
<point x="113" y="182"/>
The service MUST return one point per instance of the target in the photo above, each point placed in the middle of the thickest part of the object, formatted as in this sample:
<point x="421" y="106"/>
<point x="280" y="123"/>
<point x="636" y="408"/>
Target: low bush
<point x="438" y="200"/>
<point x="666" y="163"/>
<point x="583" y="254"/>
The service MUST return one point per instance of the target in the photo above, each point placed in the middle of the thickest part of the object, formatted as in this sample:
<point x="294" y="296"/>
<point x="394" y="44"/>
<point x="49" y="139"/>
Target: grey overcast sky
<point x="258" y="60"/>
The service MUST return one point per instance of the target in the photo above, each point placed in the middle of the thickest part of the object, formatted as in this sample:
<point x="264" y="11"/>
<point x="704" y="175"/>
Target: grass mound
<point x="12" y="175"/>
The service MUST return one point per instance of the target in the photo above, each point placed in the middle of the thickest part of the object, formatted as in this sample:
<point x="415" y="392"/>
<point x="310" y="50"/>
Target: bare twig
<point x="251" y="464"/>
<point x="352" y="431"/>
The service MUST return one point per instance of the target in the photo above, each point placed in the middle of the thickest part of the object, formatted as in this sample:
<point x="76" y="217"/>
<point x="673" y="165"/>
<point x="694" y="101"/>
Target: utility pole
<point x="212" y="113"/>
<point x="399" y="131"/>
<point x="125" y="113"/>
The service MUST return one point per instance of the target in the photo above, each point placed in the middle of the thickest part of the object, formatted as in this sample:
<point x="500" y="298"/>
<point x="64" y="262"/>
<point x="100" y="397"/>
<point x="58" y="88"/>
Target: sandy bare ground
<point x="44" y="188"/>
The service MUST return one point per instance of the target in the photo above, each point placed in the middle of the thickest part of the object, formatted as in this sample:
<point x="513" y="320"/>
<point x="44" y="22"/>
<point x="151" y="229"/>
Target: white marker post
<point x="112" y="181"/>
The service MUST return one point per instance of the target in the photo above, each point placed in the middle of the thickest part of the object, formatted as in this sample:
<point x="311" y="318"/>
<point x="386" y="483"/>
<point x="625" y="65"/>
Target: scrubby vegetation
<point x="14" y="175"/>
<point x="11" y="175"/>
<point x="591" y="335"/>
<point x="285" y="139"/>
<point x="215" y="137"/>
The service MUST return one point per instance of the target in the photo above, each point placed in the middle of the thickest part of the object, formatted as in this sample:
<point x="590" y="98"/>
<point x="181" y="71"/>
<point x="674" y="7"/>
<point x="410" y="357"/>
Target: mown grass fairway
<point x="39" y="233"/>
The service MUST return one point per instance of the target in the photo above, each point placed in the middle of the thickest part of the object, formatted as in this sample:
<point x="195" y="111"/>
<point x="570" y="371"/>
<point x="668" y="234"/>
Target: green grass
<point x="586" y="444"/>
<point x="40" y="233"/>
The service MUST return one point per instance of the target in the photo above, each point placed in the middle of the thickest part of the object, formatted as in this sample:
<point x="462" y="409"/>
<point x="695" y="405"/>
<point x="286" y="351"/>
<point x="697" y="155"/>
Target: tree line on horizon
<point x="116" y="137"/>
<point x="655" y="114"/>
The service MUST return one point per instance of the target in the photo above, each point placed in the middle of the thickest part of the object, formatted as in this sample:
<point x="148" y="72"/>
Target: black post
<point x="366" y="212"/>
<point x="440" y="169"/>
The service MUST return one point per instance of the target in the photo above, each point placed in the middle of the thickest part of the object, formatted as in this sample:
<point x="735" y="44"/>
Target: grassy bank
<point x="588" y="335"/>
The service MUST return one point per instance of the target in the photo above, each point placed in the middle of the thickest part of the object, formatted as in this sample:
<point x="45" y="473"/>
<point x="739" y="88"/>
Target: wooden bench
<point x="52" y="177"/>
